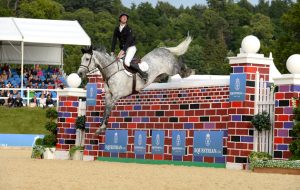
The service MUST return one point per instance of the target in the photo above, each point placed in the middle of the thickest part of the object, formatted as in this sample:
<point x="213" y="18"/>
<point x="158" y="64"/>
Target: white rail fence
<point x="26" y="94"/>
<point x="264" y="102"/>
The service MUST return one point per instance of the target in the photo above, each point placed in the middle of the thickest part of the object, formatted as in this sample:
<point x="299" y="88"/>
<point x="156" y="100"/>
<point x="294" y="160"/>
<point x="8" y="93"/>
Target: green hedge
<point x="275" y="164"/>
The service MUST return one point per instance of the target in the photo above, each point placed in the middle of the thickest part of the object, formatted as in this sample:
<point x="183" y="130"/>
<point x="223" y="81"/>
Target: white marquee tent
<point x="38" y="41"/>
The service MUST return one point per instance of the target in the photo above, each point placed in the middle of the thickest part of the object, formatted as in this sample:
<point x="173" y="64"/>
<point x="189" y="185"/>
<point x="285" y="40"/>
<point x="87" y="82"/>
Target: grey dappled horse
<point x="118" y="83"/>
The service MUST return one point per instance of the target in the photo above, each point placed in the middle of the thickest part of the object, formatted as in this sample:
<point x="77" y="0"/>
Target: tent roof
<point x="43" y="31"/>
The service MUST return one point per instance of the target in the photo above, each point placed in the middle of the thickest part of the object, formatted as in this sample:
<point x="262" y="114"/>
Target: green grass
<point x="22" y="120"/>
<point x="162" y="162"/>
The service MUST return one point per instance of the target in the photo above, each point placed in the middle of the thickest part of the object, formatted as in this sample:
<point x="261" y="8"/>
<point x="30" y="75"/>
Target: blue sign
<point x="140" y="142"/>
<point x="91" y="94"/>
<point x="158" y="141"/>
<point x="18" y="139"/>
<point x="116" y="141"/>
<point x="178" y="143"/>
<point x="237" y="87"/>
<point x="208" y="143"/>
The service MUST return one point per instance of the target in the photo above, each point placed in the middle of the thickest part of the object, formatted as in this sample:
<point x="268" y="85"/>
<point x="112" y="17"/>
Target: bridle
<point x="98" y="67"/>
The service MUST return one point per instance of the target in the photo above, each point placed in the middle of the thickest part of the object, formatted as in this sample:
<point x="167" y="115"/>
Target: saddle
<point x="135" y="60"/>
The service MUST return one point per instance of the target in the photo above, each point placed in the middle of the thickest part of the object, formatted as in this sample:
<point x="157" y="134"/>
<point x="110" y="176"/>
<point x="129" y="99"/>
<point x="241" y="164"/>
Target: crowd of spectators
<point x="34" y="78"/>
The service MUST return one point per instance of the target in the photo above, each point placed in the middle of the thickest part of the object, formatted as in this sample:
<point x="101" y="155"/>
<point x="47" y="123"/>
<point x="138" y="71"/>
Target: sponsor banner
<point x="158" y="141"/>
<point x="116" y="141"/>
<point x="91" y="94"/>
<point x="178" y="143"/>
<point x="237" y="87"/>
<point x="140" y="138"/>
<point x="19" y="139"/>
<point x="208" y="143"/>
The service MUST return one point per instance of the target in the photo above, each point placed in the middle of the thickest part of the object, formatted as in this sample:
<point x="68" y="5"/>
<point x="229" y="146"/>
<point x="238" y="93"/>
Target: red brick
<point x="278" y="110"/>
<point x="193" y="119"/>
<point x="279" y="95"/>
<point x="278" y="140"/>
<point x="287" y="140"/>
<point x="236" y="104"/>
<point x="179" y="113"/>
<point x="245" y="153"/>
<point x="216" y="105"/>
<point x="149" y="156"/>
<point x="70" y="120"/>
<point x="155" y="107"/>
<point x="281" y="118"/>
<point x="209" y="159"/>
<point x="230" y="159"/>
<point x="242" y="131"/>
<point x="188" y="158"/>
<point x="278" y="125"/>
<point x="221" y="111"/>
<point x="167" y="157"/>
<point x="241" y="145"/>
<point x="286" y="154"/>
<point x="158" y="157"/>
<point x="250" y="69"/>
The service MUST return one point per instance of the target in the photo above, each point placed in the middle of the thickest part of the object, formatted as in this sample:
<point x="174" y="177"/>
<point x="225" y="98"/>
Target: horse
<point x="118" y="83"/>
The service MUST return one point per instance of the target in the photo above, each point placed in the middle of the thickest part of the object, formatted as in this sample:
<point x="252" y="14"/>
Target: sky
<point x="175" y="3"/>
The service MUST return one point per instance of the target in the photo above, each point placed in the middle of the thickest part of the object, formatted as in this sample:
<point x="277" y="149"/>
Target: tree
<point x="46" y="9"/>
<point x="288" y="43"/>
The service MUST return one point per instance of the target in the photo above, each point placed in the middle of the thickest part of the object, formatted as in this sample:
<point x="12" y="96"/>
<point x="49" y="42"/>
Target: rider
<point x="127" y="45"/>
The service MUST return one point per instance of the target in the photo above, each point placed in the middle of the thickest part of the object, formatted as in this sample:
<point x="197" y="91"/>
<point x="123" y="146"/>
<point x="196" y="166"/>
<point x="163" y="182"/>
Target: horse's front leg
<point x="109" y="105"/>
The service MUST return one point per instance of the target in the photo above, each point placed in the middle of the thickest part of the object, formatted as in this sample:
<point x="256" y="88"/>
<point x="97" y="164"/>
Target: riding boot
<point x="143" y="74"/>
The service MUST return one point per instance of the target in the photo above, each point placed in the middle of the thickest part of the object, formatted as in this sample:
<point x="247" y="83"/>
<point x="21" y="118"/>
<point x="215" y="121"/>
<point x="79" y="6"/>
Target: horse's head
<point x="87" y="62"/>
<point x="93" y="61"/>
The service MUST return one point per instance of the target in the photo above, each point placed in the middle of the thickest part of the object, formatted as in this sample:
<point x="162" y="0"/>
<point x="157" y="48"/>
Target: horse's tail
<point x="181" y="48"/>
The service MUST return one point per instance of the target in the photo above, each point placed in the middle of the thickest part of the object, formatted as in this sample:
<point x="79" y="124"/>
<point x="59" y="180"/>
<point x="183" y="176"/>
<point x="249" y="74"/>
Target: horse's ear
<point x="83" y="51"/>
<point x="90" y="50"/>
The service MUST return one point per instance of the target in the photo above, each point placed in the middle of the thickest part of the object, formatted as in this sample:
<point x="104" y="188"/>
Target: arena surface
<point x="19" y="172"/>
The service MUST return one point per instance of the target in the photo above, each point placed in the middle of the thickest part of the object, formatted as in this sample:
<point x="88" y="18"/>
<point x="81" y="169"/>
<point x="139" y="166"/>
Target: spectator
<point x="18" y="101"/>
<point x="40" y="72"/>
<point x="11" y="100"/>
<point x="4" y="75"/>
<point x="34" y="102"/>
<point x="49" y="101"/>
<point x="43" y="86"/>
<point x="42" y="101"/>
<point x="2" y="96"/>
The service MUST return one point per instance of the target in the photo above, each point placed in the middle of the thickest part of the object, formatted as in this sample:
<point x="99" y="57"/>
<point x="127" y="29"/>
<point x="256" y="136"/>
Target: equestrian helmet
<point x="124" y="14"/>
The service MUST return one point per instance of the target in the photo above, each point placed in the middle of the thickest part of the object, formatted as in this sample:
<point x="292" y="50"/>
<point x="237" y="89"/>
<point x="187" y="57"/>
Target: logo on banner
<point x="237" y="84"/>
<point x="178" y="140"/>
<point x="207" y="139"/>
<point x="158" y="142"/>
<point x="116" y="138"/>
<point x="140" y="140"/>
<point x="157" y="139"/>
<point x="208" y="143"/>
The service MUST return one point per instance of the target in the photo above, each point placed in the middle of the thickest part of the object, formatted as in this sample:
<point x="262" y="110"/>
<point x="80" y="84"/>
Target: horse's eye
<point x="87" y="59"/>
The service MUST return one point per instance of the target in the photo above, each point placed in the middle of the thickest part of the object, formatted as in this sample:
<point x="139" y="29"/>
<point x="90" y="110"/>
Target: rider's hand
<point x="121" y="54"/>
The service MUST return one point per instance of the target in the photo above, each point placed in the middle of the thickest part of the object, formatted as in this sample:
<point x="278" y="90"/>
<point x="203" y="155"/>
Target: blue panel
<point x="178" y="143"/>
<point x="208" y="143"/>
<point x="237" y="87"/>
<point x="91" y="94"/>
<point x="140" y="142"/>
<point x="158" y="138"/>
<point x="116" y="141"/>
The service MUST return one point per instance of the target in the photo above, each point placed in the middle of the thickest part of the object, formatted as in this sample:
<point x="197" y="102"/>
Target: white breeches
<point x="129" y="55"/>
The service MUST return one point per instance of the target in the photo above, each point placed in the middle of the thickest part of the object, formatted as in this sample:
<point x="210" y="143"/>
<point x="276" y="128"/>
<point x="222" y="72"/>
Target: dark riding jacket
<point x="125" y="37"/>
